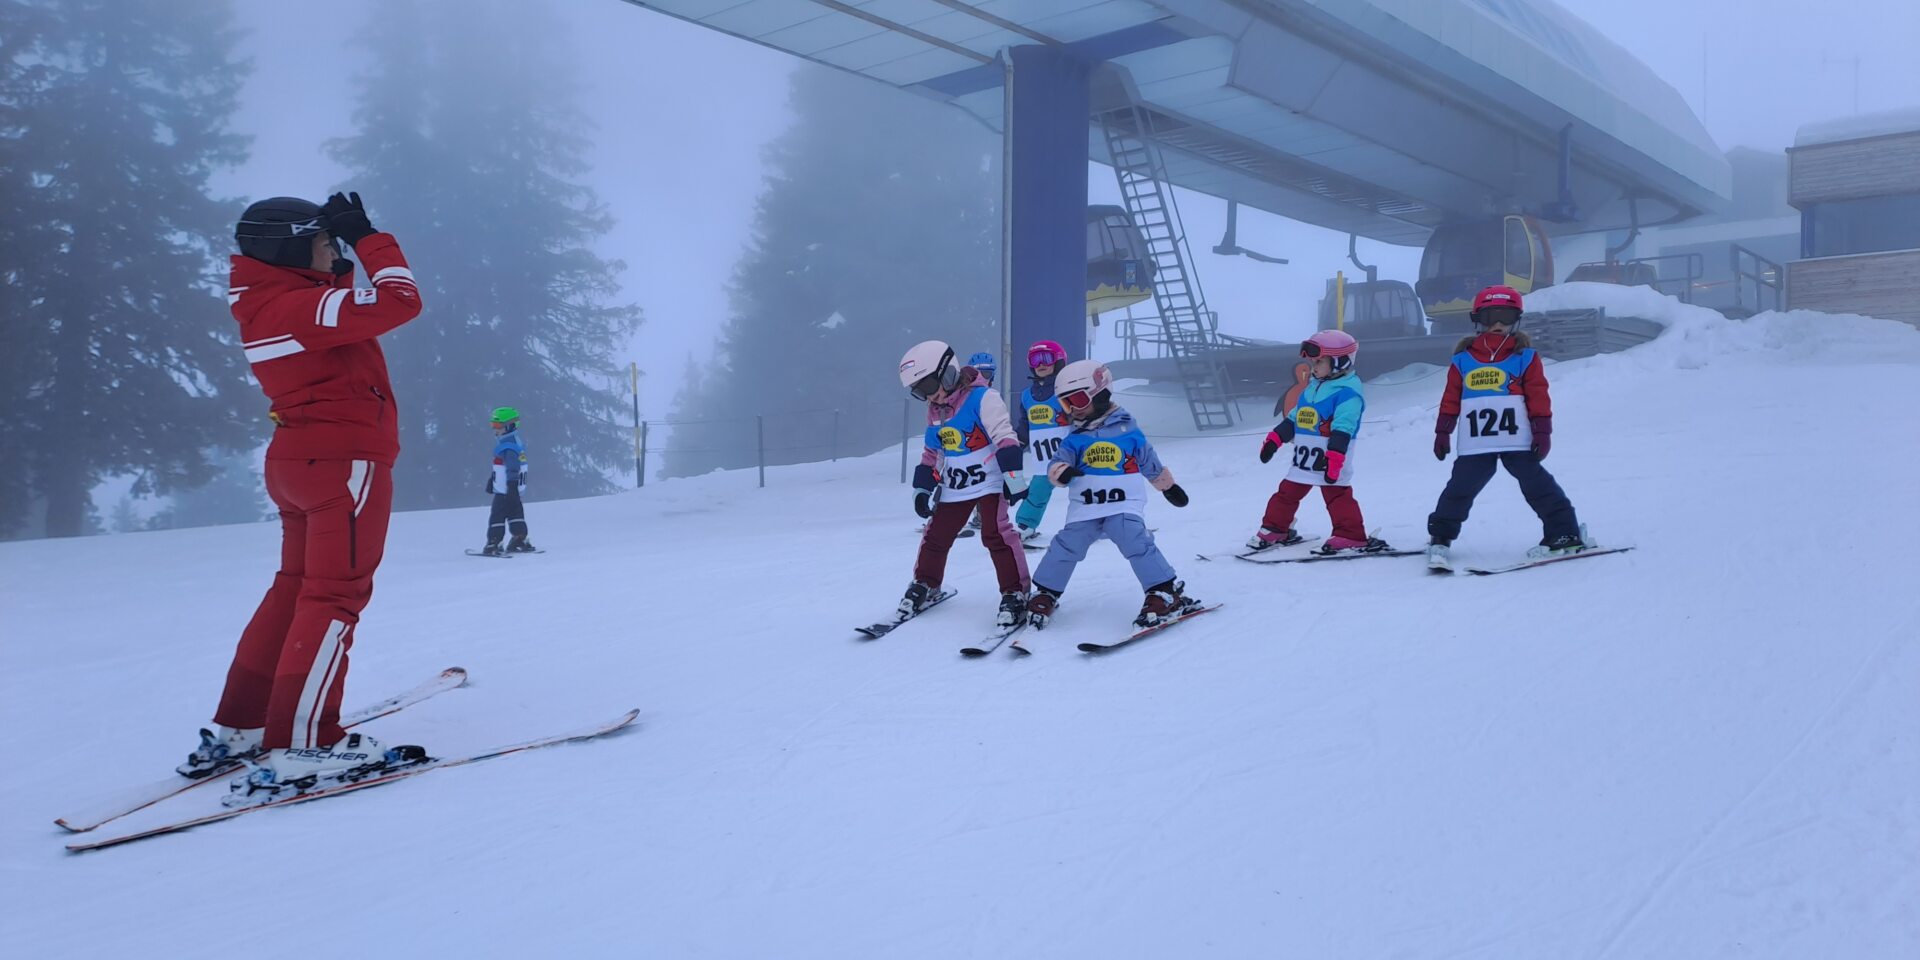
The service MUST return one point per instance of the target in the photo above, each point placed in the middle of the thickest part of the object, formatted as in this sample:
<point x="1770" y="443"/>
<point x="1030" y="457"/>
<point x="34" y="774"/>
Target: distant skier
<point x="1320" y="429"/>
<point x="983" y="364"/>
<point x="310" y="336"/>
<point x="973" y="458"/>
<point x="1106" y="465"/>
<point x="506" y="482"/>
<point x="1042" y="424"/>
<point x="1497" y="382"/>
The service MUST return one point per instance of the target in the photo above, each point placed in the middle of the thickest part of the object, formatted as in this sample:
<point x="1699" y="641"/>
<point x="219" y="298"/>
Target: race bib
<point x="1493" y="425"/>
<point x="1043" y="444"/>
<point x="1091" y="496"/>
<point x="1309" y="464"/>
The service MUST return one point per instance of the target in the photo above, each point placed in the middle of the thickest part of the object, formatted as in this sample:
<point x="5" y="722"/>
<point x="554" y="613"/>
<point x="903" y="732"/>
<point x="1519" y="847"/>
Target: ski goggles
<point x="1077" y="400"/>
<point x="925" y="387"/>
<point x="1488" y="316"/>
<point x="1309" y="349"/>
<point x="1042" y="357"/>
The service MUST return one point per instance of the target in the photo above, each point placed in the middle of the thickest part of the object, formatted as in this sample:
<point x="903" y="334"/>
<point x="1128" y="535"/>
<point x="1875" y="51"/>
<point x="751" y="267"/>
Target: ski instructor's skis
<point x="585" y="733"/>
<point x="141" y="798"/>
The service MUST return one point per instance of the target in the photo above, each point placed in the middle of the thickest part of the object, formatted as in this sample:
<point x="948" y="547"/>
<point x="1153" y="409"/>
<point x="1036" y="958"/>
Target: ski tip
<point x="70" y="828"/>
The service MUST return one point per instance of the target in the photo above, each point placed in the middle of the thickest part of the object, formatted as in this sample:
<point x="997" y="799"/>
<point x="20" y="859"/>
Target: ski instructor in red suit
<point x="311" y="338"/>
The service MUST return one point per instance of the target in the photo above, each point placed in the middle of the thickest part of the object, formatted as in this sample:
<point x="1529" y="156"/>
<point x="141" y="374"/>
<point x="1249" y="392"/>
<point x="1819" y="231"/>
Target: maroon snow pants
<point x="291" y="666"/>
<point x="996" y="533"/>
<point x="1341" y="506"/>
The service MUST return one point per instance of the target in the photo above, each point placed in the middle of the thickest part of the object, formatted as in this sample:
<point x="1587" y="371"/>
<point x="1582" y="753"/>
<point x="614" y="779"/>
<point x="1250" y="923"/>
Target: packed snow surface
<point x="1703" y="748"/>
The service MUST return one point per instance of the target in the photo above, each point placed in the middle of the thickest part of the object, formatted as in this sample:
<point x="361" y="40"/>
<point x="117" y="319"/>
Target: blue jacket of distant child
<point x="509" y="464"/>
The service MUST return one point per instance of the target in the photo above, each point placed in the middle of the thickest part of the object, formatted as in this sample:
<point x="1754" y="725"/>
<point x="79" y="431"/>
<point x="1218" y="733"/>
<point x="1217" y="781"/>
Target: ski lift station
<point x="1480" y="130"/>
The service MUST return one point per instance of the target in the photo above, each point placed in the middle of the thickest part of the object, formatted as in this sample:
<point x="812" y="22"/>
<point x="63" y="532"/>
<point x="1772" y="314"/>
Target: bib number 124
<point x="1490" y="422"/>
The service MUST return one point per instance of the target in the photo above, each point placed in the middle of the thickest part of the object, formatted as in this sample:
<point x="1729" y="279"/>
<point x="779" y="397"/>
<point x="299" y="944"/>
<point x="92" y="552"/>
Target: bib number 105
<point x="1491" y="423"/>
<point x="1092" y="497"/>
<point x="960" y="478"/>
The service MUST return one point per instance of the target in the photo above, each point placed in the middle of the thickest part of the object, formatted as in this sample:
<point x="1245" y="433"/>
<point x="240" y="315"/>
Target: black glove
<point x="1014" y="496"/>
<point x="1175" y="495"/>
<point x="489" y="483"/>
<point x="923" y="484"/>
<point x="1072" y="470"/>
<point x="347" y="218"/>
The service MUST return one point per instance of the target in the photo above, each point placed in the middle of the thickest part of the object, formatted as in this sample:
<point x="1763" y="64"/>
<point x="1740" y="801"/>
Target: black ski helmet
<point x="280" y="230"/>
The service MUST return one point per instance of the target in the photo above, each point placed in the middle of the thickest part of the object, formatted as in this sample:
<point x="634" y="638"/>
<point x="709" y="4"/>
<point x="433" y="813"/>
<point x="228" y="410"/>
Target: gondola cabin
<point x="1463" y="258"/>
<point x="1119" y="266"/>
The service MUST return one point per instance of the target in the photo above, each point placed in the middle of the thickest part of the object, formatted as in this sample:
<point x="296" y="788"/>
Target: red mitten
<point x="1336" y="461"/>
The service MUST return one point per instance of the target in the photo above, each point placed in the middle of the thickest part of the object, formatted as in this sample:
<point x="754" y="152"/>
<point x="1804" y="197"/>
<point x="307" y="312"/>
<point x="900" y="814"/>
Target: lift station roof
<point x="1383" y="118"/>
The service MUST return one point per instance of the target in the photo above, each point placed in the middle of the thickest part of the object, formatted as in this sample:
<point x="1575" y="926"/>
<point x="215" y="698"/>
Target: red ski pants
<point x="291" y="666"/>
<point x="1341" y="506"/>
<point x="996" y="533"/>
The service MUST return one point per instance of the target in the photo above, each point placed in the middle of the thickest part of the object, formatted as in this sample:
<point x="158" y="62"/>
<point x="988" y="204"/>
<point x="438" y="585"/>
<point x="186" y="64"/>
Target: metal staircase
<point x="1188" y="331"/>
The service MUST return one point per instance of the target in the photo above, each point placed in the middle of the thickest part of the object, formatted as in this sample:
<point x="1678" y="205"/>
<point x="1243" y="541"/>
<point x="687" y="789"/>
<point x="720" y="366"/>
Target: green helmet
<point x="505" y="415"/>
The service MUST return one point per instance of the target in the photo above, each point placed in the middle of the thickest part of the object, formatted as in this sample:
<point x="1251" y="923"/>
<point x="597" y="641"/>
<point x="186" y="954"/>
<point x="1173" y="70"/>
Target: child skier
<point x="1320" y="427"/>
<point x="1042" y="425"/>
<point x="973" y="457"/>
<point x="1106" y="464"/>
<point x="1496" y="396"/>
<point x="508" y="479"/>
<point x="983" y="364"/>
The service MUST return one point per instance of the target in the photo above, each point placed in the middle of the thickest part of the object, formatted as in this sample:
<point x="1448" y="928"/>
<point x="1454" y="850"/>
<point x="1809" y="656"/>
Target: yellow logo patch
<point x="1306" y="418"/>
<point x="1102" y="455"/>
<point x="1487" y="378"/>
<point x="951" y="440"/>
<point x="1040" y="413"/>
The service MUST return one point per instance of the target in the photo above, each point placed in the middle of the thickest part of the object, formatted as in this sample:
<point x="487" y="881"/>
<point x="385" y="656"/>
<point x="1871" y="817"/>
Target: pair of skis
<point x="1442" y="568"/>
<point x="449" y="679"/>
<point x="994" y="641"/>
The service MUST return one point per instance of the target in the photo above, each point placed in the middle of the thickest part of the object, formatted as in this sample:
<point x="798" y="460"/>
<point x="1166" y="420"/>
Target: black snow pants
<point x="507" y="509"/>
<point x="1470" y="476"/>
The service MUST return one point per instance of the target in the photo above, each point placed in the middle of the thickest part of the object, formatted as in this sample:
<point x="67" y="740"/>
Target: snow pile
<point x="1701" y="748"/>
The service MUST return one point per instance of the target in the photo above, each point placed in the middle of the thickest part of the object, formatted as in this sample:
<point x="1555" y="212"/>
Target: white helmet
<point x="1084" y="388"/>
<point x="928" y="369"/>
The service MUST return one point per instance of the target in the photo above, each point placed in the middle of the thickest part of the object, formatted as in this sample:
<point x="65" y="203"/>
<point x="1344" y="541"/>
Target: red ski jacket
<point x="310" y="338"/>
<point x="1493" y="348"/>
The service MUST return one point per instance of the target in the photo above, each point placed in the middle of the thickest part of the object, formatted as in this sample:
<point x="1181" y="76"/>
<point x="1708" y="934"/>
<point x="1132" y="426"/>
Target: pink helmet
<point x="1045" y="352"/>
<point x="1331" y="343"/>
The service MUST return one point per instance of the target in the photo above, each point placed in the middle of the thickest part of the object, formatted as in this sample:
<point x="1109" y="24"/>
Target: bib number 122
<point x="1310" y="458"/>
<point x="1489" y="422"/>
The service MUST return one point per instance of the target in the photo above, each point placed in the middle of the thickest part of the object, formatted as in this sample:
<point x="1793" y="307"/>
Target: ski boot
<point x="1040" y="606"/>
<point x="216" y="750"/>
<point x="519" y="544"/>
<point x="1164" y="602"/>
<point x="1013" y="611"/>
<point x="1439" y="555"/>
<point x="284" y="772"/>
<point x="1338" y="544"/>
<point x="1269" y="538"/>
<point x="493" y="550"/>
<point x="1029" y="534"/>
<point x="915" y="600"/>
<point x="1560" y="546"/>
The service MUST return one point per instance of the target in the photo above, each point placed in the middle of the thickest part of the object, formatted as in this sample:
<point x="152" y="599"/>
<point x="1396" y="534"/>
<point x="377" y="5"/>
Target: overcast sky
<point x="681" y="171"/>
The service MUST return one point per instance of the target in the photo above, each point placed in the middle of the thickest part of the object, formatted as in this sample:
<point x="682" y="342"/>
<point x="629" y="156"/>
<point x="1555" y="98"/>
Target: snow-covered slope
<point x="1704" y="748"/>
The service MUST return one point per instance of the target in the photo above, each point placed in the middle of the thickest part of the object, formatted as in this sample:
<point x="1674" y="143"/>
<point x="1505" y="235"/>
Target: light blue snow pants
<point x="1128" y="531"/>
<point x="1034" y="507"/>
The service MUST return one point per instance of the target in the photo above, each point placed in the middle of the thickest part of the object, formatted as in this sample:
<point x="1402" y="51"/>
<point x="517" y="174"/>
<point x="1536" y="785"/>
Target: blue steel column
<point x="1048" y="100"/>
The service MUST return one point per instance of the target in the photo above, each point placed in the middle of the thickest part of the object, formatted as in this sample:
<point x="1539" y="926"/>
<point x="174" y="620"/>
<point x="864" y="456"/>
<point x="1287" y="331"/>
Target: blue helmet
<point x="983" y="362"/>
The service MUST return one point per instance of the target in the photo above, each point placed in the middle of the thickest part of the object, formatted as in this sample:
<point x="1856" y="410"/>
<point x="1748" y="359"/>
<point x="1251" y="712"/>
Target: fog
<point x="680" y="119"/>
